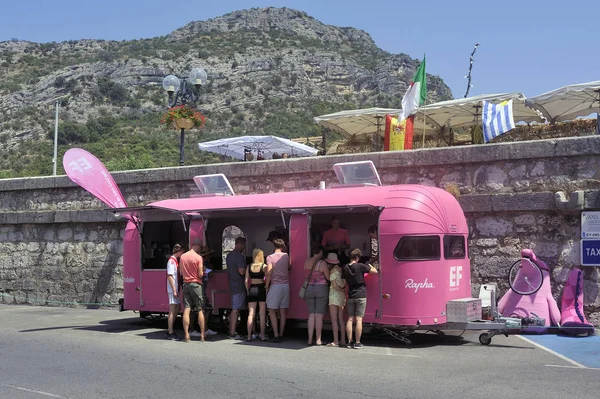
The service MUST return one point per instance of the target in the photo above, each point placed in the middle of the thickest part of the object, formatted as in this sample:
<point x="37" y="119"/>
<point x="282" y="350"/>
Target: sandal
<point x="331" y="345"/>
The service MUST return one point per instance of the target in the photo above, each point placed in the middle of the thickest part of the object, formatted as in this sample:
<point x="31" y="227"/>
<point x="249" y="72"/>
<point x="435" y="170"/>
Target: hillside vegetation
<point x="270" y="71"/>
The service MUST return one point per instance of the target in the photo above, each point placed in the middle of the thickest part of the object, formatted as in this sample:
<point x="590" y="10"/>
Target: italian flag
<point x="416" y="93"/>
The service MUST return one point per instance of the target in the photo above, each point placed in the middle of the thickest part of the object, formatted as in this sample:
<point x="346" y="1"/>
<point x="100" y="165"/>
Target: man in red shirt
<point x="192" y="269"/>
<point x="336" y="240"/>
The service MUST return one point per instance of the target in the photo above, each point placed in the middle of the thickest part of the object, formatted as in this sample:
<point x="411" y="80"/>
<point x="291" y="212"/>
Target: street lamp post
<point x="57" y="103"/>
<point x="180" y="92"/>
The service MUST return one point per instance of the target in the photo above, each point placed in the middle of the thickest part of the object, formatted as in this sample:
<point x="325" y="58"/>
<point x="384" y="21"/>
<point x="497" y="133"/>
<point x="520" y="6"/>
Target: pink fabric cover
<point x="572" y="318"/>
<point x="542" y="303"/>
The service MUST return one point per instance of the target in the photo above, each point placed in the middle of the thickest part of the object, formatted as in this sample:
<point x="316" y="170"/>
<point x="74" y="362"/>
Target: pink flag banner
<point x="90" y="173"/>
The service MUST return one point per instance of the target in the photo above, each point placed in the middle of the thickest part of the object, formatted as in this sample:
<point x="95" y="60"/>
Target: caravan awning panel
<point x="148" y="213"/>
<point x="282" y="201"/>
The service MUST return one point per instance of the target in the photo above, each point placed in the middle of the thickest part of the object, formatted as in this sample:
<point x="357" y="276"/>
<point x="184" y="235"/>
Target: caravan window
<point x="418" y="248"/>
<point x="158" y="240"/>
<point x="454" y="247"/>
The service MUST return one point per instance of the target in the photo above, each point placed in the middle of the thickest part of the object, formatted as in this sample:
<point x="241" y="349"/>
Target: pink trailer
<point x="424" y="268"/>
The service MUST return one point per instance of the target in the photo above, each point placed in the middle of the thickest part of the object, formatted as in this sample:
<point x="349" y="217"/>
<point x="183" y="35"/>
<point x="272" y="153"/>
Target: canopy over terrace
<point x="367" y="121"/>
<point x="466" y="112"/>
<point x="358" y="122"/>
<point x="569" y="102"/>
<point x="239" y="147"/>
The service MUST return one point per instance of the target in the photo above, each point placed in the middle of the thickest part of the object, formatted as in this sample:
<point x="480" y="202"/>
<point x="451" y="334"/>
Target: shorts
<point x="356" y="307"/>
<point x="238" y="301"/>
<point x="257" y="293"/>
<point x="317" y="298"/>
<point x="193" y="296"/>
<point x="278" y="296"/>
<point x="173" y="300"/>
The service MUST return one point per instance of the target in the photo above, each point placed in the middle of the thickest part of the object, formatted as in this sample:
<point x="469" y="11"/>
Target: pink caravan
<point x="539" y="304"/>
<point x="418" y="227"/>
<point x="424" y="270"/>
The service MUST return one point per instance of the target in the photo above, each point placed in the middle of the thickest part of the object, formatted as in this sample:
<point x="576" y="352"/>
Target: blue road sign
<point x="590" y="252"/>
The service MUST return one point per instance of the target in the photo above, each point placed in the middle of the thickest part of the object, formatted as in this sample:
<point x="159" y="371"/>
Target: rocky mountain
<point x="269" y="70"/>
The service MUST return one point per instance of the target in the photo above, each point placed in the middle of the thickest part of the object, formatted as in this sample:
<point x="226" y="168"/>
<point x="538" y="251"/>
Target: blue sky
<point x="530" y="46"/>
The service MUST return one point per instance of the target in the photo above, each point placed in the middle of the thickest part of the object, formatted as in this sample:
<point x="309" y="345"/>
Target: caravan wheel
<point x="145" y="315"/>
<point x="485" y="339"/>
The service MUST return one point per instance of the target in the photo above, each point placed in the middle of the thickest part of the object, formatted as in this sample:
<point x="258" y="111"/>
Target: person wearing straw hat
<point x="337" y="301"/>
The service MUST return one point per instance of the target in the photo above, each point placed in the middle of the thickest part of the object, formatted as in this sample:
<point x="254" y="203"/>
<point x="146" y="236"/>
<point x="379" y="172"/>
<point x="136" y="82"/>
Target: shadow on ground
<point x="295" y="338"/>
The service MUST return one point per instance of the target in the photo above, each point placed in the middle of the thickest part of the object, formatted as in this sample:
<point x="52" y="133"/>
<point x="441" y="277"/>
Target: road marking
<point x="388" y="354"/>
<point x="571" y="367"/>
<point x="563" y="357"/>
<point x="388" y="351"/>
<point x="33" y="390"/>
<point x="136" y="333"/>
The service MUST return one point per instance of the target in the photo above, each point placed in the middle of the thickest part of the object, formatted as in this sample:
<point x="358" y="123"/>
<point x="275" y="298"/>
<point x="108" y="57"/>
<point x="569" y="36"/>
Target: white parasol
<point x="466" y="112"/>
<point x="569" y="102"/>
<point x="238" y="147"/>
<point x="357" y="122"/>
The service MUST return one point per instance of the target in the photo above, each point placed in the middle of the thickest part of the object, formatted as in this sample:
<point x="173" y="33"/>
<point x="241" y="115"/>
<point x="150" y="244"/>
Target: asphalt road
<point x="77" y="353"/>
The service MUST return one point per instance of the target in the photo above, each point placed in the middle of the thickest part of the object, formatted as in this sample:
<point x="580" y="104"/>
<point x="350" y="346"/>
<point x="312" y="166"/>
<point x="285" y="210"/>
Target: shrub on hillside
<point x="115" y="92"/>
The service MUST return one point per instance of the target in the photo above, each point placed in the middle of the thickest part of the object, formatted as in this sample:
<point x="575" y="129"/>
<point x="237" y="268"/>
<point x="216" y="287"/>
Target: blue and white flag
<point x="497" y="119"/>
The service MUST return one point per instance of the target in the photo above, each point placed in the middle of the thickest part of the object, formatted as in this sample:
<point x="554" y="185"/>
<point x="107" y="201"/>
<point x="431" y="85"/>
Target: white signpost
<point x="590" y="224"/>
<point x="590" y="239"/>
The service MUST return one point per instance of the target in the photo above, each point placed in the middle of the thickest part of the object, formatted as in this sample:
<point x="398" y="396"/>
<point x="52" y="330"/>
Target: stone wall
<point x="61" y="263"/>
<point x="508" y="192"/>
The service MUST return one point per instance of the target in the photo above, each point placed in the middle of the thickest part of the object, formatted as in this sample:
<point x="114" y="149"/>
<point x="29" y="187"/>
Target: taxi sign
<point x="590" y="225"/>
<point x="590" y="252"/>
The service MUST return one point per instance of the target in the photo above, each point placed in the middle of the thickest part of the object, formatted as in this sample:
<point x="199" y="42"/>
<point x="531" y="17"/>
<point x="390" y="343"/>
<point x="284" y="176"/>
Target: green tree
<point x="115" y="92"/>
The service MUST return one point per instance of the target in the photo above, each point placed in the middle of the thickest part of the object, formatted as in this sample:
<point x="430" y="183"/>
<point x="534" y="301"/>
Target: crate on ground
<point x="463" y="310"/>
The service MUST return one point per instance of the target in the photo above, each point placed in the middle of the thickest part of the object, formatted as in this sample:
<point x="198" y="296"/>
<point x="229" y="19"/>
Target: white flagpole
<point x="424" y="118"/>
